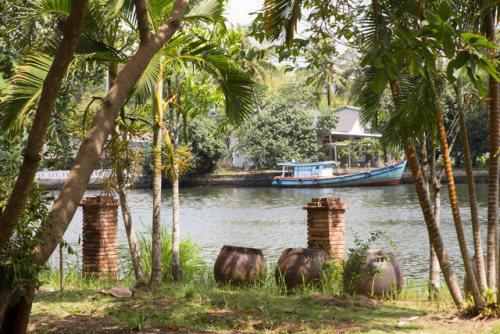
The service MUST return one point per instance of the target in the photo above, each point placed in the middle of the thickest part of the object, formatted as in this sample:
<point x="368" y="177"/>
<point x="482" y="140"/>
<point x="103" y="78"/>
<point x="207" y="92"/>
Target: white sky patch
<point x="239" y="10"/>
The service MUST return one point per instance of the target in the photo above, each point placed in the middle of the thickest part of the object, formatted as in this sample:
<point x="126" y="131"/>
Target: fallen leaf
<point x="175" y="327"/>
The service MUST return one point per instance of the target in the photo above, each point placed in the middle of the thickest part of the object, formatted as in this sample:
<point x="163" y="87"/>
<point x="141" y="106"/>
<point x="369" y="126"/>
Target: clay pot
<point x="240" y="265"/>
<point x="376" y="272"/>
<point x="300" y="266"/>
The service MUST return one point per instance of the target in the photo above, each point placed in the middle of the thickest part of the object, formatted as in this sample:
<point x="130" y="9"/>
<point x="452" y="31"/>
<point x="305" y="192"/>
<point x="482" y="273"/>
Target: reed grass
<point x="193" y="265"/>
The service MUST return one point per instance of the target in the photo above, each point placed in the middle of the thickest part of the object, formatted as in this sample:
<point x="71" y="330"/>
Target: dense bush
<point x="207" y="149"/>
<point x="281" y="133"/>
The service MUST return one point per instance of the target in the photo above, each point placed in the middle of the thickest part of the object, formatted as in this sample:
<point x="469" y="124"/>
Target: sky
<point x="239" y="10"/>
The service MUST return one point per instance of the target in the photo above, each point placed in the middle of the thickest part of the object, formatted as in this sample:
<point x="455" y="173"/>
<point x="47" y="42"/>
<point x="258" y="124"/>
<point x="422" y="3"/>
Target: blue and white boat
<point x="321" y="174"/>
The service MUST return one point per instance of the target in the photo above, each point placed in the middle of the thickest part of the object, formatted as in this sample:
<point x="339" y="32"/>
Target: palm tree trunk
<point x="492" y="237"/>
<point x="478" y="302"/>
<point x="478" y="247"/>
<point x="135" y="252"/>
<point x="328" y="94"/>
<point x="434" y="282"/>
<point x="432" y="227"/>
<point x="433" y="260"/>
<point x="157" y="148"/>
<point x="176" y="263"/>
<point x="425" y="205"/>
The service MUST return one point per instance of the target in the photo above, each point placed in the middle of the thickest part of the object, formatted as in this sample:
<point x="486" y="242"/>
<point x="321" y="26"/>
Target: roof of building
<point x="346" y="122"/>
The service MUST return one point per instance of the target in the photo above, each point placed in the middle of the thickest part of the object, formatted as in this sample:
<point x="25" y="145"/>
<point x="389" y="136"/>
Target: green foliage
<point x="293" y="92"/>
<point x="17" y="271"/>
<point x="281" y="133"/>
<point x="327" y="120"/>
<point x="192" y="262"/>
<point x="207" y="149"/>
<point x="478" y="134"/>
<point x="355" y="269"/>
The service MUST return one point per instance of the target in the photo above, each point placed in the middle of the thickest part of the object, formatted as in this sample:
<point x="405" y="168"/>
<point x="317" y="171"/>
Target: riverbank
<point x="251" y="179"/>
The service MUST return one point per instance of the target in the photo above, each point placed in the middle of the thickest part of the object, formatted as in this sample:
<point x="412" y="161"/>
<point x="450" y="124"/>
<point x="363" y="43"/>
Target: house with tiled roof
<point x="350" y="129"/>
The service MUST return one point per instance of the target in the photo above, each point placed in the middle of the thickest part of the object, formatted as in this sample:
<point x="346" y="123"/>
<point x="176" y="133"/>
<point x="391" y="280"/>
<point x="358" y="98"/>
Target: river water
<point x="273" y="219"/>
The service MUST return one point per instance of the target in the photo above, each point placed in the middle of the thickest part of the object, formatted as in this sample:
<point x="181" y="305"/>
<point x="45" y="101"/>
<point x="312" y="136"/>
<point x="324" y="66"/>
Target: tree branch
<point x="141" y="12"/>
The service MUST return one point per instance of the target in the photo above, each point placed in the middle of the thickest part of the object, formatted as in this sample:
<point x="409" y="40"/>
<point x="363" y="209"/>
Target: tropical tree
<point x="52" y="229"/>
<point x="284" y="131"/>
<point x="101" y="36"/>
<point x="206" y="148"/>
<point x="391" y="47"/>
<point x="484" y="20"/>
<point x="165" y="70"/>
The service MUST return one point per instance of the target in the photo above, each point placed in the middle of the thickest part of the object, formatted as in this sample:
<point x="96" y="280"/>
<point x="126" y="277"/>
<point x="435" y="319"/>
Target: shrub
<point x="193" y="265"/>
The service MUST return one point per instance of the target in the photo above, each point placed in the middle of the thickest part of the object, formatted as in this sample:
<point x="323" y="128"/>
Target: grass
<point x="201" y="306"/>
<point x="192" y="263"/>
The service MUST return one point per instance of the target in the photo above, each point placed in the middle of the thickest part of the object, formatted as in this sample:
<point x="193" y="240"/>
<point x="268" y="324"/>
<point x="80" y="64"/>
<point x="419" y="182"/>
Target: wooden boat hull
<point x="385" y="176"/>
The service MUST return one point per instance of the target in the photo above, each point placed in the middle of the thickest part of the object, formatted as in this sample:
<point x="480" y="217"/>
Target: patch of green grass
<point x="202" y="306"/>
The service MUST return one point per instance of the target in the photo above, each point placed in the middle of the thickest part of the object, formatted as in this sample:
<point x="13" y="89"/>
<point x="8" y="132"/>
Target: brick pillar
<point x="100" y="226"/>
<point x="326" y="226"/>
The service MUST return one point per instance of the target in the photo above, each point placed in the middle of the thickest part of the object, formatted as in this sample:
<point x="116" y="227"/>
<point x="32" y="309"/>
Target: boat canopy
<point x="324" y="168"/>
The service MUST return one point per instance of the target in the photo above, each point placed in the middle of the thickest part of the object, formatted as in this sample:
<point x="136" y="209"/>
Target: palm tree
<point x="235" y="84"/>
<point x="281" y="13"/>
<point x="480" y="16"/>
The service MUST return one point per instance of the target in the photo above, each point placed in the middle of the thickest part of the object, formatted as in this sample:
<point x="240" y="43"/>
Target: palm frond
<point x="369" y="100"/>
<point x="418" y="113"/>
<point x="159" y="11"/>
<point x="143" y="88"/>
<point x="42" y="8"/>
<point x="205" y="10"/>
<point x="281" y="18"/>
<point x="124" y="9"/>
<point x="23" y="92"/>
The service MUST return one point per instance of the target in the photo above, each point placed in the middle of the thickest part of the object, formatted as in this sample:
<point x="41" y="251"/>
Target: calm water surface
<point x="273" y="219"/>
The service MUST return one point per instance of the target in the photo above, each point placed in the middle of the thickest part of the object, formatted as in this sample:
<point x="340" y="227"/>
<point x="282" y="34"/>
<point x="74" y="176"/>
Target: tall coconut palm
<point x="433" y="98"/>
<point x="389" y="63"/>
<point x="235" y="84"/>
<point x="481" y="274"/>
<point x="402" y="125"/>
<point x="481" y="16"/>
<point x="377" y="32"/>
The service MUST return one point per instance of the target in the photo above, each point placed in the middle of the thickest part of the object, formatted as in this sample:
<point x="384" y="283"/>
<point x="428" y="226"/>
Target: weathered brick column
<point x="100" y="226"/>
<point x="326" y="226"/>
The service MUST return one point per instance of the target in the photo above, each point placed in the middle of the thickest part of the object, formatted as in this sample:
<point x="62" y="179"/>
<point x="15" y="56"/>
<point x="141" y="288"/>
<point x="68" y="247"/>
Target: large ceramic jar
<point x="375" y="272"/>
<point x="240" y="265"/>
<point x="300" y="266"/>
